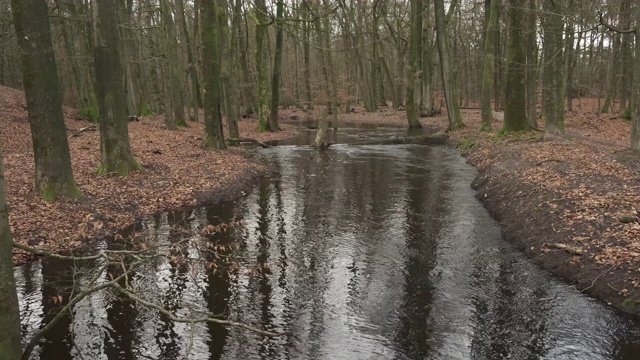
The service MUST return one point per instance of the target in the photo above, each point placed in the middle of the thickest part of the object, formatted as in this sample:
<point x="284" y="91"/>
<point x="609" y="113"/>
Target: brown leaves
<point x="176" y="168"/>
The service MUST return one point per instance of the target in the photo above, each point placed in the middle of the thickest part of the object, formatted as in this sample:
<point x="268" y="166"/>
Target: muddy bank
<point x="534" y="216"/>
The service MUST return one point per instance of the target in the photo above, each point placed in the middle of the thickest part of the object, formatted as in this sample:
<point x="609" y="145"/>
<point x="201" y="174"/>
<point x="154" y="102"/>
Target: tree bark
<point x="488" y="66"/>
<point x="635" y="117"/>
<point x="262" y="66"/>
<point x="515" y="115"/>
<point x="54" y="176"/>
<point x="415" y="25"/>
<point x="213" y="17"/>
<point x="10" y="337"/>
<point x="448" y="81"/>
<point x="277" y="66"/>
<point x="115" y="149"/>
<point x="532" y="63"/>
<point x="552" y="80"/>
<point x="196" y="97"/>
<point x="173" y="64"/>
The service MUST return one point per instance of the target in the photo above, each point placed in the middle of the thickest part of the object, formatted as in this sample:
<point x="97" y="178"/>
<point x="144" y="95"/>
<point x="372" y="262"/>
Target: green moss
<point x="51" y="191"/>
<point x="627" y="114"/>
<point x="465" y="145"/>
<point x="629" y="305"/>
<point x="145" y="109"/>
<point x="90" y="111"/>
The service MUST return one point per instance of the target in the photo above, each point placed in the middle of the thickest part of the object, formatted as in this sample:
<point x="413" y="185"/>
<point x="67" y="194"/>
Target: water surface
<point x="359" y="252"/>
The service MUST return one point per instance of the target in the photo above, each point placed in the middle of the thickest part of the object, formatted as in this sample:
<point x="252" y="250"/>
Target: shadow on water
<point x="376" y="252"/>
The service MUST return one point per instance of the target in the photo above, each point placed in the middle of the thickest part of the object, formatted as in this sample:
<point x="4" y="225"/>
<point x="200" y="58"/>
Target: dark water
<point x="376" y="252"/>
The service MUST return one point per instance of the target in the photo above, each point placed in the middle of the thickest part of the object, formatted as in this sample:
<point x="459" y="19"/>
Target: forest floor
<point x="178" y="173"/>
<point x="571" y="204"/>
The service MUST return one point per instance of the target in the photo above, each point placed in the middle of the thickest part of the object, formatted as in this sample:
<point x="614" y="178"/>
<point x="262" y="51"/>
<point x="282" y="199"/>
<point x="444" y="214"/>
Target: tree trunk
<point x="415" y="25"/>
<point x="262" y="66"/>
<point x="627" y="75"/>
<point x="54" y="176"/>
<point x="332" y="79"/>
<point x="552" y="80"/>
<point x="196" y="97"/>
<point x="306" y="55"/>
<point x="173" y="65"/>
<point x="277" y="66"/>
<point x="115" y="149"/>
<point x="532" y="63"/>
<point x="426" y="102"/>
<point x="448" y="81"/>
<point x="230" y="73"/>
<point x="488" y="65"/>
<point x="515" y="112"/>
<point x="213" y="18"/>
<point x="10" y="346"/>
<point x="321" y="142"/>
<point x="635" y="117"/>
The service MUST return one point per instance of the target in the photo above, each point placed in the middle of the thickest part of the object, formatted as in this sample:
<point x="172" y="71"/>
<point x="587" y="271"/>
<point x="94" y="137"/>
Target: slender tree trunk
<point x="54" y="176"/>
<point x="552" y="86"/>
<point x="627" y="75"/>
<point x="213" y="18"/>
<point x="230" y="73"/>
<point x="115" y="149"/>
<point x="532" y="63"/>
<point x="332" y="78"/>
<point x="426" y="102"/>
<point x="415" y="25"/>
<point x="635" y="117"/>
<point x="262" y="66"/>
<point x="175" y="85"/>
<point x="569" y="63"/>
<point x="306" y="55"/>
<point x="10" y="346"/>
<point x="515" y="112"/>
<point x="277" y="66"/>
<point x="192" y="66"/>
<point x="448" y="81"/>
<point x="488" y="65"/>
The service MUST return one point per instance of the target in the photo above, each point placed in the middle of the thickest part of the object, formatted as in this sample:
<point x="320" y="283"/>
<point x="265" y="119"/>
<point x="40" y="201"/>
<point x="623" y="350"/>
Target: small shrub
<point x="145" y="109"/>
<point x="627" y="114"/>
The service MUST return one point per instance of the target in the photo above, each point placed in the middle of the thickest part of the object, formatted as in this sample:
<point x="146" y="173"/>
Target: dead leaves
<point x="171" y="178"/>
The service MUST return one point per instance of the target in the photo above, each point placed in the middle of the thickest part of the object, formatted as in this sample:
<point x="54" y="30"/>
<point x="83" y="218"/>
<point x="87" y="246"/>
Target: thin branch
<point x="205" y="318"/>
<point x="627" y="31"/>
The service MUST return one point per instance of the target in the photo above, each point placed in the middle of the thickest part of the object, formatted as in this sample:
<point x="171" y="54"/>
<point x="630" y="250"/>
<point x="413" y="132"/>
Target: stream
<point x="358" y="252"/>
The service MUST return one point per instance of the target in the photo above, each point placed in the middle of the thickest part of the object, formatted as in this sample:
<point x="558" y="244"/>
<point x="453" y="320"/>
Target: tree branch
<point x="627" y="31"/>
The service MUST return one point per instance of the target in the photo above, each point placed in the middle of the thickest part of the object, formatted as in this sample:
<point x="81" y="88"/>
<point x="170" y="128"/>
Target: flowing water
<point x="359" y="252"/>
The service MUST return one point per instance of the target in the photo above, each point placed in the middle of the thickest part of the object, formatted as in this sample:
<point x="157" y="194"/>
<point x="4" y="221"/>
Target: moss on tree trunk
<point x="515" y="111"/>
<point x="116" y="156"/>
<point x="54" y="176"/>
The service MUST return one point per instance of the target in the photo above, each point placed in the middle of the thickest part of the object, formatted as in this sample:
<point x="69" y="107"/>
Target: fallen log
<point x="249" y="140"/>
<point x="88" y="128"/>
<point x="565" y="247"/>
<point x="435" y="139"/>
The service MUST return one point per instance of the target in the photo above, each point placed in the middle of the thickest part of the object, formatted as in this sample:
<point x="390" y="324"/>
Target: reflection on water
<point x="377" y="252"/>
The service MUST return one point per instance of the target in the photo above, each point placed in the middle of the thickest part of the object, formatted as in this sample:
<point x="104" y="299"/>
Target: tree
<point x="413" y="78"/>
<point x="116" y="156"/>
<point x="552" y="76"/>
<point x="515" y="112"/>
<point x="54" y="176"/>
<point x="213" y="16"/>
<point x="442" y="38"/>
<point x="488" y="65"/>
<point x="277" y="66"/>
<point x="175" y="112"/>
<point x="635" y="117"/>
<point x="260" y="9"/>
<point x="10" y="345"/>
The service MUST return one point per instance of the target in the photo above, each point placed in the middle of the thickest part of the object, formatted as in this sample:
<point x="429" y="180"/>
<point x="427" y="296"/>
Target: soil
<point x="571" y="204"/>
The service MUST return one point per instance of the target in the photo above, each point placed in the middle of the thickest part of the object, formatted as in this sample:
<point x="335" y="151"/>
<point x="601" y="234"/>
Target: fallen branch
<point x="565" y="247"/>
<point x="88" y="128"/>
<point x="549" y="160"/>
<point x="241" y="140"/>
<point x="204" y="318"/>
<point x="597" y="277"/>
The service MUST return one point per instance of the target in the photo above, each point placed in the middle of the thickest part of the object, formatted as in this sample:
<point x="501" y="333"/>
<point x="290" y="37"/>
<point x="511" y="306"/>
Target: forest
<point x="112" y="111"/>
